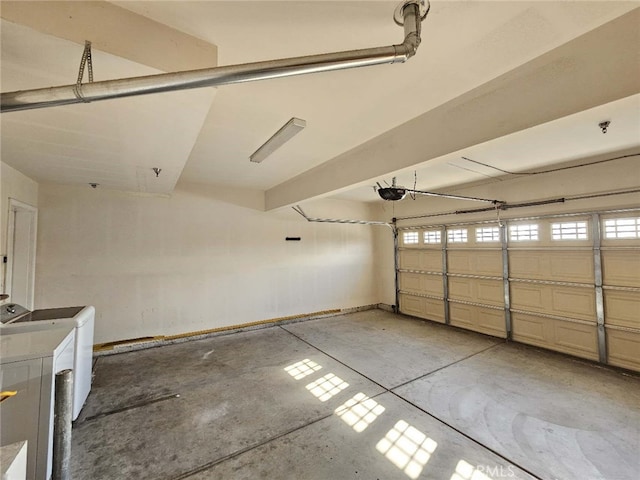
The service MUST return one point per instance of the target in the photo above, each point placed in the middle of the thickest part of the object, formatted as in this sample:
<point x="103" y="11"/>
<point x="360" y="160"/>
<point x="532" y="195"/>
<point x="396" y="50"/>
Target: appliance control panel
<point x="10" y="312"/>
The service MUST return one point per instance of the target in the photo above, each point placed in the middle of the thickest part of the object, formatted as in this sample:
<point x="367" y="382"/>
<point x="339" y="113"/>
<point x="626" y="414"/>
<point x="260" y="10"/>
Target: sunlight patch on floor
<point x="302" y="369"/>
<point x="407" y="448"/>
<point x="359" y="411"/>
<point x="326" y="387"/>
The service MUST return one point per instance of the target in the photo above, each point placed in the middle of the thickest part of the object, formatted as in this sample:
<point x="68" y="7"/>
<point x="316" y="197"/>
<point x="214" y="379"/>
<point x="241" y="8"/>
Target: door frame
<point x="15" y="206"/>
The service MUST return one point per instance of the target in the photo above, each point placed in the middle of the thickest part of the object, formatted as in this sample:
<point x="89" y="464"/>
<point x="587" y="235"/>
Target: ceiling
<point x="566" y="140"/>
<point x="207" y="135"/>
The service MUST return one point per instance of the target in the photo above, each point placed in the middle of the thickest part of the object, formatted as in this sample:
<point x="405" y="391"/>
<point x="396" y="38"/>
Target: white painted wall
<point x="383" y="245"/>
<point x="13" y="184"/>
<point x="196" y="260"/>
<point x="618" y="175"/>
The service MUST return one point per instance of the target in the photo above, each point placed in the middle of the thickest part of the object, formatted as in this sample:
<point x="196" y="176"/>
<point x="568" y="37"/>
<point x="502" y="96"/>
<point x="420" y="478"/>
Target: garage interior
<point x="278" y="318"/>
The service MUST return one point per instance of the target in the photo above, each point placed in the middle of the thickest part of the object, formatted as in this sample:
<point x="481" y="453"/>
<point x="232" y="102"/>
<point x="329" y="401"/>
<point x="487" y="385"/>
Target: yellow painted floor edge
<point x="101" y="347"/>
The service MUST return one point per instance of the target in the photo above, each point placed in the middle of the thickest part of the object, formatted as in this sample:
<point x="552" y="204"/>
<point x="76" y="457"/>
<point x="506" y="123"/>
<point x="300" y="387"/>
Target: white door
<point x="21" y="253"/>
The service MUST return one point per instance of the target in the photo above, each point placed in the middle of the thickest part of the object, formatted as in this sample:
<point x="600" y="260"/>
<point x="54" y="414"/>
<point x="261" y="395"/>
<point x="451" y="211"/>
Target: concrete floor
<point x="370" y="395"/>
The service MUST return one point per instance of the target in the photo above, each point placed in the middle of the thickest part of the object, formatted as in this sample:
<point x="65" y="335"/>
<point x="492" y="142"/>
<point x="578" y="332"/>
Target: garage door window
<point x="569" y="231"/>
<point x="523" y="233"/>
<point x="487" y="234"/>
<point x="432" y="236"/>
<point x="457" y="236"/>
<point x="622" y="228"/>
<point x="410" y="238"/>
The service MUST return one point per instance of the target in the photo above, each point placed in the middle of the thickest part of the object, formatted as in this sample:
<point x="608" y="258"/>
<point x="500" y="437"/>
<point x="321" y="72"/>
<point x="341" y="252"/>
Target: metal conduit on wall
<point x="409" y="13"/>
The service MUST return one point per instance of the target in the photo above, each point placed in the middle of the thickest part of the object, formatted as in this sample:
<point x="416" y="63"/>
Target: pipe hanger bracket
<point x="84" y="61"/>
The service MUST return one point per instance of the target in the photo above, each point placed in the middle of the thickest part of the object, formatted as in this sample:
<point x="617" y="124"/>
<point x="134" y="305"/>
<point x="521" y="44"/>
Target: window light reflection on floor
<point x="466" y="471"/>
<point x="407" y="448"/>
<point x="359" y="411"/>
<point x="326" y="387"/>
<point x="303" y="368"/>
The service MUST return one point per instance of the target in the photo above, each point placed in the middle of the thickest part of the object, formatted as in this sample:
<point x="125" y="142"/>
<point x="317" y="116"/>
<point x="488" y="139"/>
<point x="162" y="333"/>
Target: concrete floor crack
<point x="445" y="366"/>
<point x="207" y="466"/>
<point x="81" y="422"/>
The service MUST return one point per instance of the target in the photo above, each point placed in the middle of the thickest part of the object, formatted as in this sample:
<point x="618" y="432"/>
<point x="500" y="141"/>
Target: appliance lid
<point x="49" y="314"/>
<point x="54" y="313"/>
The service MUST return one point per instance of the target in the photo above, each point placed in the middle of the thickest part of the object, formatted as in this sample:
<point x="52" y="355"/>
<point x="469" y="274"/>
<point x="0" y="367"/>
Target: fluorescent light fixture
<point x="282" y="136"/>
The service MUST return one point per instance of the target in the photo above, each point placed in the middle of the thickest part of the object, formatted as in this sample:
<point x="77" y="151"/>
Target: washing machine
<point x="30" y="359"/>
<point x="14" y="316"/>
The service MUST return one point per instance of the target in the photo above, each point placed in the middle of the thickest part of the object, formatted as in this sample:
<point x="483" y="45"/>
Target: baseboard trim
<point x="133" y="344"/>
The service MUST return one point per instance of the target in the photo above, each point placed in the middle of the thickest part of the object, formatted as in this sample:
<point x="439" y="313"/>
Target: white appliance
<point x="13" y="461"/>
<point x="82" y="318"/>
<point x="30" y="359"/>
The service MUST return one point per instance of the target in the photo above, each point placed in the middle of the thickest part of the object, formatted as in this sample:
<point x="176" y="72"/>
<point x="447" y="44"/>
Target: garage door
<point x="420" y="275"/>
<point x="474" y="275"/>
<point x="567" y="283"/>
<point x="621" y="287"/>
<point x="453" y="275"/>
<point x="552" y="282"/>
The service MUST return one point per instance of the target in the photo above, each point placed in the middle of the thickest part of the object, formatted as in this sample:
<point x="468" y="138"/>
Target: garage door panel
<point x="428" y="308"/>
<point x="480" y="319"/>
<point x="489" y="263"/>
<point x="475" y="262"/>
<point x="563" y="301"/>
<point x="461" y="315"/>
<point x="433" y="285"/>
<point x="529" y="329"/>
<point x="477" y="290"/>
<point x="431" y="260"/>
<point x="421" y="283"/>
<point x="425" y="260"/>
<point x="410" y="282"/>
<point x="435" y="309"/>
<point x="623" y="348"/>
<point x="460" y="288"/>
<point x="621" y="268"/>
<point x="568" y="337"/>
<point x="527" y="296"/>
<point x="413" y="305"/>
<point x="561" y="266"/>
<point x="574" y="302"/>
<point x="410" y="259"/>
<point x="576" y="337"/>
<point x="573" y="266"/>
<point x="458" y="262"/>
<point x="492" y="321"/>
<point x="490" y="291"/>
<point x="622" y="308"/>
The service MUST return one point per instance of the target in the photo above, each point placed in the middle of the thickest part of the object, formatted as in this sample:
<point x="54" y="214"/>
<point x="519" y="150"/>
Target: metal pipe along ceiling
<point x="210" y="77"/>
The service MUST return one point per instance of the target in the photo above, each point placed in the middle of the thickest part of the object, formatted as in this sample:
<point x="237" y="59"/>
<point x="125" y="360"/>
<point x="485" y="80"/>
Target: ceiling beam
<point x="598" y="67"/>
<point x="114" y="30"/>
